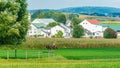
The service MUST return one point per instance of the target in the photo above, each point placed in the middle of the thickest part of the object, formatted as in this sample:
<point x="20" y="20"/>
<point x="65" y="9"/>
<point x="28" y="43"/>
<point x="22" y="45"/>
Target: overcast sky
<point x="57" y="4"/>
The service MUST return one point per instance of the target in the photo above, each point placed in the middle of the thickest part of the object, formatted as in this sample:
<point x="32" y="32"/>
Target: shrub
<point x="110" y="33"/>
<point x="58" y="35"/>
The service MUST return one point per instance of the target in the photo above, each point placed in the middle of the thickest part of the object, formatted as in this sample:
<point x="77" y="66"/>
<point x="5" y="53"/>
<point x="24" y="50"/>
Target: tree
<point x="75" y="21"/>
<point x="52" y="24"/>
<point x="110" y="33"/>
<point x="60" y="17"/>
<point x="58" y="35"/>
<point x="71" y="16"/>
<point x="78" y="31"/>
<point x="13" y="21"/>
<point x="57" y="16"/>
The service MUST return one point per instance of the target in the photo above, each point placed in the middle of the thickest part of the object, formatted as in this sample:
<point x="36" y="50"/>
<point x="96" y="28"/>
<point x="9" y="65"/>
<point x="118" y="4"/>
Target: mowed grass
<point x="67" y="53"/>
<point x="55" y="63"/>
<point x="89" y="53"/>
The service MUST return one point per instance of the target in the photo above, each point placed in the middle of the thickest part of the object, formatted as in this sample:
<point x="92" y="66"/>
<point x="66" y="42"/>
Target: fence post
<point x="7" y="54"/>
<point x="26" y="54"/>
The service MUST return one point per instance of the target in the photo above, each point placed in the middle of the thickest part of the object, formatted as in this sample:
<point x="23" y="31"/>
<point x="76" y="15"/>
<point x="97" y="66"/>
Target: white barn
<point x="92" y="29"/>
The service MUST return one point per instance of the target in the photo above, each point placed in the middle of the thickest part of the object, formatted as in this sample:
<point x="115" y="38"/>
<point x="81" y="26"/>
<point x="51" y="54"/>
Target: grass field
<point x="71" y="53"/>
<point x="89" y="53"/>
<point x="55" y="63"/>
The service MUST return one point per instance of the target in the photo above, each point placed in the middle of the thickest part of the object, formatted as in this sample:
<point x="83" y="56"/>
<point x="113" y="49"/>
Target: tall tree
<point x="13" y="21"/>
<point x="75" y="21"/>
<point x="78" y="31"/>
<point x="60" y="17"/>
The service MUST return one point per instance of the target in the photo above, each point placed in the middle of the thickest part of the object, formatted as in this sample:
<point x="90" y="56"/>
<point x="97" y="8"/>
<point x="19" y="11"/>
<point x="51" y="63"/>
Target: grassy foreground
<point x="68" y="53"/>
<point x="55" y="63"/>
<point x="72" y="53"/>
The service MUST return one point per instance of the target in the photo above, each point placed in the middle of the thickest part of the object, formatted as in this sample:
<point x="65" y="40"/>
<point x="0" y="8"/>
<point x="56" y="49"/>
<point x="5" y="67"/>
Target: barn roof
<point x="94" y="21"/>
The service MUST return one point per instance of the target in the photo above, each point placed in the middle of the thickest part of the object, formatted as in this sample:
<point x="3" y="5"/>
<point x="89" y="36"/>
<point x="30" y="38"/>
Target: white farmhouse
<point x="92" y="29"/>
<point x="66" y="30"/>
<point x="35" y="29"/>
<point x="38" y="27"/>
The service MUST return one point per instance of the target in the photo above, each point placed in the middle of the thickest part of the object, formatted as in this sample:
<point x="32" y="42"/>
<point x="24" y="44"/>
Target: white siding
<point x="96" y="30"/>
<point x="33" y="30"/>
<point x="56" y="29"/>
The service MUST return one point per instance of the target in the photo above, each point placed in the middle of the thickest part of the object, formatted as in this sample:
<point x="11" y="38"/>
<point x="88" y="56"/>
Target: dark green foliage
<point x="71" y="16"/>
<point x="52" y="24"/>
<point x="57" y="16"/>
<point x="78" y="31"/>
<point x="60" y="17"/>
<point x="75" y="21"/>
<point x="13" y="21"/>
<point x="110" y="33"/>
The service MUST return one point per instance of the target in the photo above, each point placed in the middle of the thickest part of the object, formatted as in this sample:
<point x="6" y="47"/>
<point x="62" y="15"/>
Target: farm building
<point x="92" y="29"/>
<point x="38" y="27"/>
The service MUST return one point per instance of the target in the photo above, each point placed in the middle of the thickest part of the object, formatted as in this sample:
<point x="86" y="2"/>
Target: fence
<point x="25" y="54"/>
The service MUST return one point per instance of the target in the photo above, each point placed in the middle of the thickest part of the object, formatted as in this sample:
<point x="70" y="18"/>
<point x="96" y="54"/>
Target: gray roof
<point x="39" y="25"/>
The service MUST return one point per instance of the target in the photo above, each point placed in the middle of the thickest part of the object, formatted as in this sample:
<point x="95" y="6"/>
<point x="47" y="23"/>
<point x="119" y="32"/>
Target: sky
<point x="58" y="4"/>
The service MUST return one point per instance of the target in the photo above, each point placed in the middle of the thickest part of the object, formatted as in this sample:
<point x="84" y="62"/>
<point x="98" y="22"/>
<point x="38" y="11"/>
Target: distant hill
<point x="98" y="11"/>
<point x="101" y="10"/>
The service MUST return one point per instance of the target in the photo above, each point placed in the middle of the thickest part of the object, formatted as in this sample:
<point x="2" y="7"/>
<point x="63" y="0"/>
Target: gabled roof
<point x="44" y="20"/>
<point x="39" y="25"/>
<point x="94" y="21"/>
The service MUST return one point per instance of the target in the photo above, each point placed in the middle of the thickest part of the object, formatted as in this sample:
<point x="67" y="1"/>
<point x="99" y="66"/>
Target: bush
<point x="58" y="35"/>
<point x="110" y="33"/>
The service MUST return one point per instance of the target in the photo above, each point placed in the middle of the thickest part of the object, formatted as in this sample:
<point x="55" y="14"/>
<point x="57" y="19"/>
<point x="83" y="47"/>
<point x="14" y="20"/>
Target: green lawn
<point x="55" y="63"/>
<point x="68" y="53"/>
<point x="89" y="53"/>
<point x="63" y="58"/>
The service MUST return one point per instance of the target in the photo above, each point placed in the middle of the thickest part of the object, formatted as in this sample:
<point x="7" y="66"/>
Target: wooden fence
<point x="26" y="54"/>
